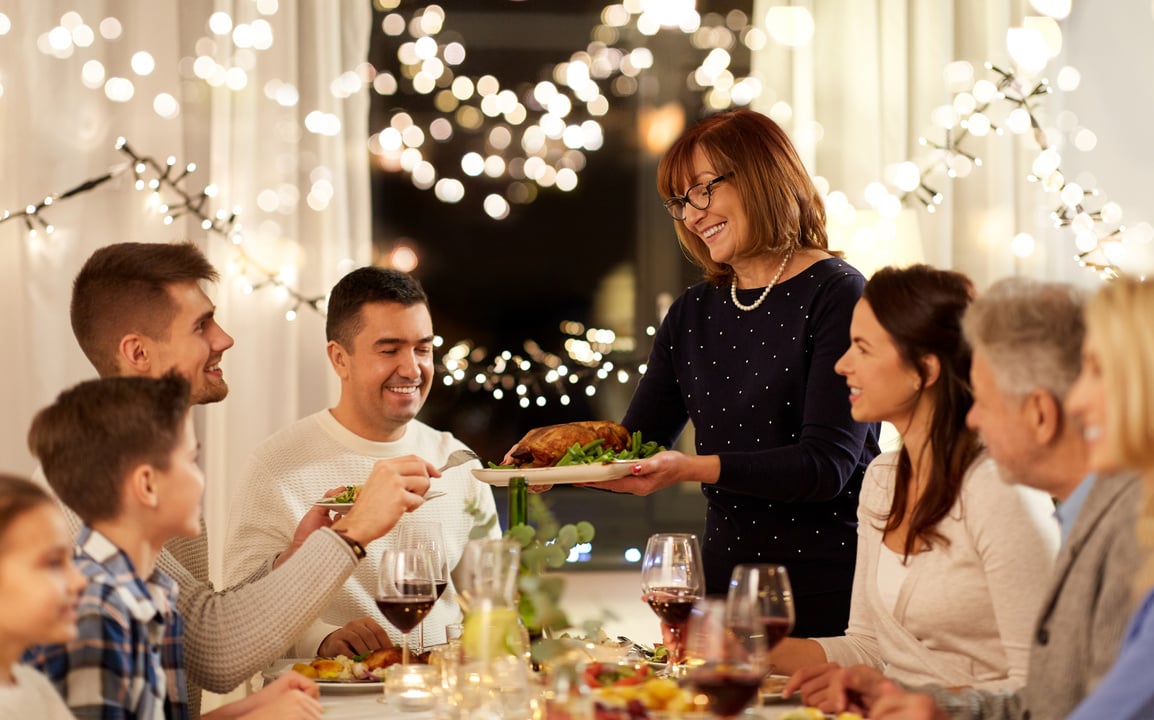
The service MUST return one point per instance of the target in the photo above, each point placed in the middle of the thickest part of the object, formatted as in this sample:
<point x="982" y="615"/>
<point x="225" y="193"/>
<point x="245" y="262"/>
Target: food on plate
<point x="812" y="713"/>
<point x="637" y="699"/>
<point x="348" y="496"/>
<point x="774" y="684"/>
<point x="360" y="668"/>
<point x="657" y="654"/>
<point x="603" y="674"/>
<point x="575" y="443"/>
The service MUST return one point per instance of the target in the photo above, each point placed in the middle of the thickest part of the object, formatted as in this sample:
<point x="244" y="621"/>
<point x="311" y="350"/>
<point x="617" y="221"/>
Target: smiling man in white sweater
<point x="380" y="343"/>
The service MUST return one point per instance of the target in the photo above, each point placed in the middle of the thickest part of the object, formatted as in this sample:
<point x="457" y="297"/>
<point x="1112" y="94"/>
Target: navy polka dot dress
<point x="761" y="392"/>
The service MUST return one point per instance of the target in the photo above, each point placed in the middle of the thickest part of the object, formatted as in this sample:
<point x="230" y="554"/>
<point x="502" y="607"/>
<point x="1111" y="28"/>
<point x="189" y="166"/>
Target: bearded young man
<point x="139" y="309"/>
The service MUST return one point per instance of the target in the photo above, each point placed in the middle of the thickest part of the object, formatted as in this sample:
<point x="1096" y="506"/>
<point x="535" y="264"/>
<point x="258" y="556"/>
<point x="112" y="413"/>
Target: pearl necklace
<point x="764" y="295"/>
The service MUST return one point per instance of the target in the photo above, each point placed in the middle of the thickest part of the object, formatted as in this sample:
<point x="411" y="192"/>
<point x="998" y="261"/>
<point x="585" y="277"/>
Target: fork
<point x="457" y="457"/>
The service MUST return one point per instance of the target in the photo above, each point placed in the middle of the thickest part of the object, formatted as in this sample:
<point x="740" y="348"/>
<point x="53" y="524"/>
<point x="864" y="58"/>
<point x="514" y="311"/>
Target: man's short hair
<point x="94" y="434"/>
<point x="123" y="288"/>
<point x="361" y="287"/>
<point x="1031" y="332"/>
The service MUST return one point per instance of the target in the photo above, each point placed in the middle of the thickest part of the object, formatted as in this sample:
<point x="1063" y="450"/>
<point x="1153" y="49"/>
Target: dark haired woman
<point x="952" y="562"/>
<point x="747" y="356"/>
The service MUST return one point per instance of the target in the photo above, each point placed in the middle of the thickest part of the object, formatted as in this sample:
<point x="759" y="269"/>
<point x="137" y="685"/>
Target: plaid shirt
<point x="128" y="661"/>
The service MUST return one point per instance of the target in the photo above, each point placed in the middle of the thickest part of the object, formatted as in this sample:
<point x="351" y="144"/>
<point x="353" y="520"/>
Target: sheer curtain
<point x="874" y="72"/>
<point x="252" y="143"/>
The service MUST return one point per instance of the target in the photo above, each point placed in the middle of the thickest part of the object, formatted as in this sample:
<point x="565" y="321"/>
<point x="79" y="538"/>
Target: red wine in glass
<point x="440" y="586"/>
<point x="671" y="580"/>
<point x="728" y="691"/>
<point x="405" y="612"/>
<point x="406" y="590"/>
<point x="671" y="604"/>
<point x="776" y="630"/>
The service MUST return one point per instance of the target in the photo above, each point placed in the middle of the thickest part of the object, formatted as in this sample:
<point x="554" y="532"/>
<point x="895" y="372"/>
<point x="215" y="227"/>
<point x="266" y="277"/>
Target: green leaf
<point x="555" y="556"/>
<point x="585" y="531"/>
<point x="567" y="536"/>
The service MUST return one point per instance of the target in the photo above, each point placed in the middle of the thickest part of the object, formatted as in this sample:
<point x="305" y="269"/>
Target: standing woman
<point x="1113" y="400"/>
<point x="952" y="562"/>
<point x="747" y="356"/>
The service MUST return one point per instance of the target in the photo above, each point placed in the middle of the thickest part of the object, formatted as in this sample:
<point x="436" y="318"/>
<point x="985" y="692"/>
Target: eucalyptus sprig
<point x="545" y="544"/>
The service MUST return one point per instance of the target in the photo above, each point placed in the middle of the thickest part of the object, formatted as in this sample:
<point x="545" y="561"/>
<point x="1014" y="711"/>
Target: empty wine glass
<point x="671" y="580"/>
<point x="724" y="649"/>
<point x="422" y="534"/>
<point x="764" y="592"/>
<point x="406" y="590"/>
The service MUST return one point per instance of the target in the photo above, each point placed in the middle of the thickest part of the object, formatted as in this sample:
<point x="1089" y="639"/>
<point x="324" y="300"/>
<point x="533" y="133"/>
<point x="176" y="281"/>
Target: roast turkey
<point x="544" y="446"/>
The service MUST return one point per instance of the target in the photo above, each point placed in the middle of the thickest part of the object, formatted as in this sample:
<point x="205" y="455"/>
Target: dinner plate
<point x="564" y="475"/>
<point x="772" y="686"/>
<point x="342" y="508"/>
<point x="327" y="687"/>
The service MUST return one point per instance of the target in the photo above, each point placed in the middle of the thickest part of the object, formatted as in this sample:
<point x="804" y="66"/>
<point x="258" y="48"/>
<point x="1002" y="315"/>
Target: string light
<point x="592" y="357"/>
<point x="539" y="137"/>
<point x="1015" y="99"/>
<point x="167" y="179"/>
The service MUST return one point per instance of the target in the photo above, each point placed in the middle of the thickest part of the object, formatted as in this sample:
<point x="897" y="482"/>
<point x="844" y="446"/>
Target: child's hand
<point x="292" y="696"/>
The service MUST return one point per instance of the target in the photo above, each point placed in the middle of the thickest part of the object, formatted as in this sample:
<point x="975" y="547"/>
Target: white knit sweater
<point x="965" y="611"/>
<point x="296" y="466"/>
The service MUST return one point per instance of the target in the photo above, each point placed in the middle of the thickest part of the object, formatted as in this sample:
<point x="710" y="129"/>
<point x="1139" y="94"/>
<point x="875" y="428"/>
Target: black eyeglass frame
<point x="677" y="203"/>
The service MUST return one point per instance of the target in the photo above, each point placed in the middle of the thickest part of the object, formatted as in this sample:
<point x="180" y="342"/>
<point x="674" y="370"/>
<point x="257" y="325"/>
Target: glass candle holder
<point x="412" y="688"/>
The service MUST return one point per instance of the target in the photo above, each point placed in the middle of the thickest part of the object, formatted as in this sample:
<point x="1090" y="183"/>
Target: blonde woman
<point x="1113" y="399"/>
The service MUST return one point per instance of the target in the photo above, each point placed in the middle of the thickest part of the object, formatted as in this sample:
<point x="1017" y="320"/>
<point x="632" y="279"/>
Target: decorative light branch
<point x="970" y="116"/>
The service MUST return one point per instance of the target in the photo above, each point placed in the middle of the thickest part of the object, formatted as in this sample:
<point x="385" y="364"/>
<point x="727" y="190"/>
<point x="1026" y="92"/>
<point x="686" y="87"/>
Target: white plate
<point x="777" y="682"/>
<point x="342" y="508"/>
<point x="338" y="508"/>
<point x="564" y="475"/>
<point x="327" y="687"/>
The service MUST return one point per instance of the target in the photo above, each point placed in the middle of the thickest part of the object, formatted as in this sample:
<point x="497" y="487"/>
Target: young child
<point x="121" y="453"/>
<point x="39" y="591"/>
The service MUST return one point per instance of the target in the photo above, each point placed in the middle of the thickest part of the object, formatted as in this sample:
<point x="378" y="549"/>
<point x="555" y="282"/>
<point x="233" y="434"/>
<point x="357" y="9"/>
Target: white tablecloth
<point x="366" y="707"/>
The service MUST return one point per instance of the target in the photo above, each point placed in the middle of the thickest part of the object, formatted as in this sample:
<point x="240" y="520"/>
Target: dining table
<point x="367" y="707"/>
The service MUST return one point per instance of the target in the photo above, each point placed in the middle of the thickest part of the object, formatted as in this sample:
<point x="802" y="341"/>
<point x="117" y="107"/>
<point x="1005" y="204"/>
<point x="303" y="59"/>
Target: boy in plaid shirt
<point x="121" y="453"/>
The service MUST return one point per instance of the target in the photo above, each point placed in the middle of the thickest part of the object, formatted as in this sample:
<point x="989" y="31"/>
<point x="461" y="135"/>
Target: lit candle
<point x="412" y="686"/>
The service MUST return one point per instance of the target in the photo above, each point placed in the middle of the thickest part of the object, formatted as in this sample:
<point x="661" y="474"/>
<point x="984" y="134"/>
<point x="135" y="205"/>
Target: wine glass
<point x="422" y="534"/>
<point x="725" y="650"/>
<point x="406" y="590"/>
<point x="671" y="580"/>
<point x="764" y="592"/>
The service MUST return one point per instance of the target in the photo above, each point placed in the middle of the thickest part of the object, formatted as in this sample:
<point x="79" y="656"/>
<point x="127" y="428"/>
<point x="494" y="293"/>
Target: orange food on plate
<point x="369" y="668"/>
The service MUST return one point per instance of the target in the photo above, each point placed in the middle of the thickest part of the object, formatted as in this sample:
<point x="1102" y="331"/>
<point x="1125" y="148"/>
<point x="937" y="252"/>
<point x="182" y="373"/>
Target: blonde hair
<point x="1118" y="322"/>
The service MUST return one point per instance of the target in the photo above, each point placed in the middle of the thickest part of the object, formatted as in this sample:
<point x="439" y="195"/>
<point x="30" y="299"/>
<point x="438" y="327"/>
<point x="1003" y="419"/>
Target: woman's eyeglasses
<point x="699" y="196"/>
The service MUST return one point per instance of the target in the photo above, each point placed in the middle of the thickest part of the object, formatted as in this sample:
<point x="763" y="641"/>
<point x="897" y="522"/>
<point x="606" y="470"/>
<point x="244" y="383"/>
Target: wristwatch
<point x="358" y="549"/>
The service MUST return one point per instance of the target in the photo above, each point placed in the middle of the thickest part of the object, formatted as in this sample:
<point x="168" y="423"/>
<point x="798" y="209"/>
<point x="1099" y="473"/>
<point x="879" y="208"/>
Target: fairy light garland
<point x="538" y="137"/>
<point x="168" y="178"/>
<point x="556" y="149"/>
<point x="592" y="357"/>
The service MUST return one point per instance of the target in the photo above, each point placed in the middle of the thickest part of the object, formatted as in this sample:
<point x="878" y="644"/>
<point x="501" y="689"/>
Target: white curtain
<point x="874" y="72"/>
<point x="55" y="133"/>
